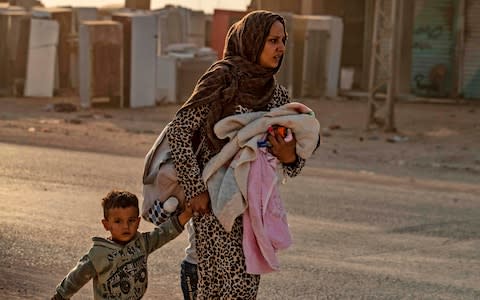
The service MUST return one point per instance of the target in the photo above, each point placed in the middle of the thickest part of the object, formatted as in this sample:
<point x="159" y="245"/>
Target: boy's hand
<point x="185" y="215"/>
<point x="199" y="204"/>
<point x="282" y="150"/>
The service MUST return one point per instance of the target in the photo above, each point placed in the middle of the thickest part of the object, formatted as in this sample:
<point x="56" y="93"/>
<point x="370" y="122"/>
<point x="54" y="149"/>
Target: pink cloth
<point x="265" y="227"/>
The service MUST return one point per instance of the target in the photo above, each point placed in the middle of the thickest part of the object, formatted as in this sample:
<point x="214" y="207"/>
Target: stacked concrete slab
<point x="63" y="16"/>
<point x="26" y="4"/>
<point x="180" y="25"/>
<point x="42" y="50"/>
<point x="79" y="15"/>
<point x="139" y="58"/>
<point x="101" y="63"/>
<point x="317" y="52"/>
<point x="196" y="23"/>
<point x="177" y="73"/>
<point x="172" y="27"/>
<point x="14" y="27"/>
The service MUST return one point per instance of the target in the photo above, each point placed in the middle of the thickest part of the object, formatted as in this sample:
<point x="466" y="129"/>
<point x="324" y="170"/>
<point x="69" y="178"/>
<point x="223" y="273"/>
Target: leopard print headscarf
<point x="237" y="79"/>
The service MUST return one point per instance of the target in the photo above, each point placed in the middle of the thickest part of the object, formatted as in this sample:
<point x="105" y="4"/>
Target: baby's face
<point x="122" y="223"/>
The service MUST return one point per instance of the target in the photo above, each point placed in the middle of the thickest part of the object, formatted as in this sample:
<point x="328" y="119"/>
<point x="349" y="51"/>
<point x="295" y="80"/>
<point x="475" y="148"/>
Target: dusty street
<point x="370" y="219"/>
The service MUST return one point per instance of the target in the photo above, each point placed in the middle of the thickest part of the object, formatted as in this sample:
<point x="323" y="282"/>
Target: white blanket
<point x="226" y="174"/>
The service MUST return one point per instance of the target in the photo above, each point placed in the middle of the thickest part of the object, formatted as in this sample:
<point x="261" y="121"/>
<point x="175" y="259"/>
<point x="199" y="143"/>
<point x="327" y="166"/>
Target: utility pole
<point x="383" y="65"/>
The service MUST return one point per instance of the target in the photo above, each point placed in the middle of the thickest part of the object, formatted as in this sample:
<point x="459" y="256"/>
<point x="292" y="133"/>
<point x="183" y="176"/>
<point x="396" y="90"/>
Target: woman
<point x="243" y="81"/>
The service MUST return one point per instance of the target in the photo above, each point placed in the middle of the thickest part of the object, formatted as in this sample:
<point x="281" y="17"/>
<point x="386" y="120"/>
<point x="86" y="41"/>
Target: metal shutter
<point x="471" y="67"/>
<point x="433" y="47"/>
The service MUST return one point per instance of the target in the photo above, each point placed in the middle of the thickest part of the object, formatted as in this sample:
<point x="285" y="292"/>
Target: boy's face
<point x="122" y="223"/>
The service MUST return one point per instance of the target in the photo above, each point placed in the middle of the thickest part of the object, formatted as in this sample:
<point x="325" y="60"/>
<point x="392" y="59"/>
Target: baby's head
<point x="120" y="212"/>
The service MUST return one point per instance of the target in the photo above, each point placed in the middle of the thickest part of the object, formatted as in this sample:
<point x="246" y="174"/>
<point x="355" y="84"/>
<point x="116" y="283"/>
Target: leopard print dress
<point x="221" y="262"/>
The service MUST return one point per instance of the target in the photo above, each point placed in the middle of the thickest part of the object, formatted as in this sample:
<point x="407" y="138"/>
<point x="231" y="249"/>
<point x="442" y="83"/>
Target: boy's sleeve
<point x="76" y="279"/>
<point x="163" y="234"/>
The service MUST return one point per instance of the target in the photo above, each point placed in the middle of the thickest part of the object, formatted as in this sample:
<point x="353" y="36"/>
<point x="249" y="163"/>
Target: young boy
<point x="118" y="264"/>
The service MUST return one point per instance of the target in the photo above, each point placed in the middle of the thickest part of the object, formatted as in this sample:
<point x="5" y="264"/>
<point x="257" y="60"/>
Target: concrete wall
<point x="405" y="32"/>
<point x="222" y="20"/>
<point x="352" y="13"/>
<point x="294" y="6"/>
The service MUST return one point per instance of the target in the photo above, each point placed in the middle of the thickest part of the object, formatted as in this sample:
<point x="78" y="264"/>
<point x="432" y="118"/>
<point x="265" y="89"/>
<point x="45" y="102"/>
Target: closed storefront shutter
<point x="433" y="47"/>
<point x="471" y="67"/>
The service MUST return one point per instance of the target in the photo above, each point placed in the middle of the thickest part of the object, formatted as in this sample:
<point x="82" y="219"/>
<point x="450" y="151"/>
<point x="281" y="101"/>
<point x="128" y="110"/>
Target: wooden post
<point x="384" y="64"/>
<point x="373" y="63"/>
<point x="459" y="50"/>
<point x="392" y="88"/>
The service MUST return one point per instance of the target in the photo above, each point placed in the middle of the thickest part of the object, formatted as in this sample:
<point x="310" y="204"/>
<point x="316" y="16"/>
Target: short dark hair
<point x="116" y="198"/>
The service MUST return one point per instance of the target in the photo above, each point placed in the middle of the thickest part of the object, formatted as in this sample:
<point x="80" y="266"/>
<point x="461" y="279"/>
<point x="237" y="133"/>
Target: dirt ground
<point x="438" y="141"/>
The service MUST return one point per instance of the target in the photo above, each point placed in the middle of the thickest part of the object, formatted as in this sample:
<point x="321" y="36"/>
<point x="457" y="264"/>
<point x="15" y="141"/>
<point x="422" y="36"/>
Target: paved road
<point x="356" y="235"/>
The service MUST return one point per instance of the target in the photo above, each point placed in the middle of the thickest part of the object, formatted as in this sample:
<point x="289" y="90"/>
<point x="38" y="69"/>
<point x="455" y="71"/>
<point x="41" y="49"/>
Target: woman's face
<point x="274" y="46"/>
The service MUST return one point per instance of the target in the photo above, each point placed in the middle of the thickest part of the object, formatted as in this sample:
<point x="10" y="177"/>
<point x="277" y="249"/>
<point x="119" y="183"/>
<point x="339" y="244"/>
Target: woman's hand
<point x="185" y="215"/>
<point x="200" y="204"/>
<point x="282" y="150"/>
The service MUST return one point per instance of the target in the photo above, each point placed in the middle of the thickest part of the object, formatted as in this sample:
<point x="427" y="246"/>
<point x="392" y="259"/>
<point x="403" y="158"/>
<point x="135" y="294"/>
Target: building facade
<point x="440" y="42"/>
